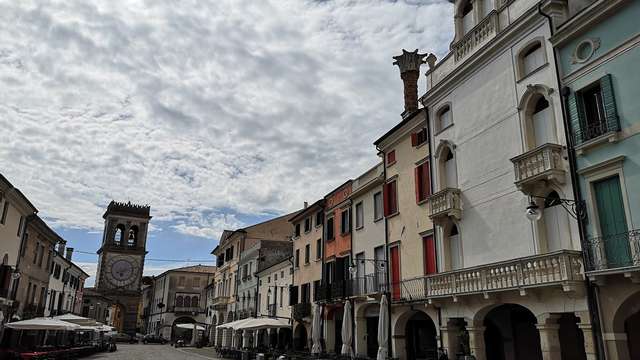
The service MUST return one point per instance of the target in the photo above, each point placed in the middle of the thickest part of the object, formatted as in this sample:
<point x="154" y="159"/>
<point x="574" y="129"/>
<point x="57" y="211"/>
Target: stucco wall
<point x="308" y="273"/>
<point x="371" y="235"/>
<point x="341" y="244"/>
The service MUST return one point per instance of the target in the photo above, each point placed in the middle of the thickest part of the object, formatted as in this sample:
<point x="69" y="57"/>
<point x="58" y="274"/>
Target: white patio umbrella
<point x="42" y="324"/>
<point x="316" y="327"/>
<point x="347" y="331"/>
<point x="190" y="326"/>
<point x="383" y="329"/>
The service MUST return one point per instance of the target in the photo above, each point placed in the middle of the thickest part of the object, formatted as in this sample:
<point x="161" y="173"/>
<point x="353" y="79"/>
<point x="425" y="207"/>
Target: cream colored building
<point x="307" y="271"/>
<point x="273" y="300"/>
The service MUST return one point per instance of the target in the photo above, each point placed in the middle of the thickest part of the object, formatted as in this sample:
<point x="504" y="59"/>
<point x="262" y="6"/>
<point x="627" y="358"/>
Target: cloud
<point x="227" y="107"/>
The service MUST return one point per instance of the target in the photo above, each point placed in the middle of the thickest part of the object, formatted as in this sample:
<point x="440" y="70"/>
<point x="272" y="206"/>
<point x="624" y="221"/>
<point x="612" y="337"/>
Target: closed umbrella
<point x="316" y="348"/>
<point x="383" y="329"/>
<point x="347" y="331"/>
<point x="194" y="334"/>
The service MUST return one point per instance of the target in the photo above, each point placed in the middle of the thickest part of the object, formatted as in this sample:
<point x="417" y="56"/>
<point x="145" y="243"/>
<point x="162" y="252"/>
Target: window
<point x="532" y="58"/>
<point x="281" y="296"/>
<point x="297" y="258"/>
<point x="429" y="254"/>
<point x="132" y="238"/>
<point x="307" y="224"/>
<point x="187" y="301"/>
<point x="35" y="254"/>
<point x="20" y="226"/>
<point x="377" y="206"/>
<point x="268" y="279"/>
<point x="293" y="295"/>
<point x="420" y="137"/>
<point x="194" y="301"/>
<point x="450" y="171"/>
<point x="455" y="249"/>
<point x="330" y="229"/>
<point x="275" y="277"/>
<point x="5" y="210"/>
<point x="444" y="119"/>
<point x="345" y="221"/>
<point x="391" y="157"/>
<point x="319" y="218"/>
<point x="181" y="281"/>
<point x="305" y="294"/>
<point x="40" y="255"/>
<point x="307" y="253"/>
<point x="593" y="110"/>
<point x="542" y="123"/>
<point x="196" y="282"/>
<point x="467" y="16"/>
<point x="359" y="215"/>
<point x="422" y="182"/>
<point x="297" y="230"/>
<point x="318" y="249"/>
<point x="179" y="301"/>
<point x="390" y="198"/>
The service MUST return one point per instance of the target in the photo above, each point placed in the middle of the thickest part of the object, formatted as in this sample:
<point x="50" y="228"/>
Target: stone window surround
<point x="441" y="174"/>
<point x="436" y="122"/>
<point x="520" y="75"/>
<point x="526" y="107"/>
<point x="601" y="171"/>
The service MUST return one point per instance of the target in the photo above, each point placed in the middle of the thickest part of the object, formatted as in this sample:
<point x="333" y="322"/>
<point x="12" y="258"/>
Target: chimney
<point x="409" y="64"/>
<point x="69" y="253"/>
<point x="306" y="204"/>
<point x="61" y="246"/>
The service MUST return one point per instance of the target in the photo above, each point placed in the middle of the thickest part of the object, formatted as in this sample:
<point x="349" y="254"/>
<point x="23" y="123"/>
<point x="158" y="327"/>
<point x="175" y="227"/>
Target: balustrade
<point x="445" y="203"/>
<point x="487" y="28"/>
<point x="542" y="163"/>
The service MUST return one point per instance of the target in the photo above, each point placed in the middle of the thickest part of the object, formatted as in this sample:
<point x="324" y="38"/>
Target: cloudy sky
<point x="217" y="113"/>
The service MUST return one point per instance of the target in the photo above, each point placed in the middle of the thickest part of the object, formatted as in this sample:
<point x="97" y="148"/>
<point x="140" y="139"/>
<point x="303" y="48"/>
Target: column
<point x="476" y="342"/>
<point x="589" y="346"/>
<point x="449" y="340"/>
<point x="549" y="341"/>
<point x="256" y="335"/>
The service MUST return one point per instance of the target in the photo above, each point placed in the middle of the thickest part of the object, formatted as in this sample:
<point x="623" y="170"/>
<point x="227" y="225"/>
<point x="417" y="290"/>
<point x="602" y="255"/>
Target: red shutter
<point x="418" y="183"/>
<point x="414" y="139"/>
<point x="386" y="199"/>
<point x="395" y="272"/>
<point x="429" y="255"/>
<point x="426" y="178"/>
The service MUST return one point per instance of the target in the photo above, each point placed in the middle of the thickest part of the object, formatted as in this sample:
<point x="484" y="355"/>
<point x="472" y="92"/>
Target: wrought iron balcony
<point x="472" y="40"/>
<point x="322" y="293"/>
<point x="368" y="285"/>
<point x="542" y="163"/>
<point x="330" y="292"/>
<point x="561" y="268"/>
<point x="445" y="203"/>
<point x="301" y="311"/>
<point x="620" y="251"/>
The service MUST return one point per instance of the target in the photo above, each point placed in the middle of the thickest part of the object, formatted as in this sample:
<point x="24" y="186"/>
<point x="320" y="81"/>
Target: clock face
<point x="122" y="271"/>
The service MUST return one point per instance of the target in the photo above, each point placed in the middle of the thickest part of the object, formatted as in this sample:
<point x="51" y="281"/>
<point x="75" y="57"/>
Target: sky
<point x="218" y="114"/>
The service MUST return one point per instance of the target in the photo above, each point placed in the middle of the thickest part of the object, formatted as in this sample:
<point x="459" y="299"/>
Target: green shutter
<point x="609" y="102"/>
<point x="574" y="106"/>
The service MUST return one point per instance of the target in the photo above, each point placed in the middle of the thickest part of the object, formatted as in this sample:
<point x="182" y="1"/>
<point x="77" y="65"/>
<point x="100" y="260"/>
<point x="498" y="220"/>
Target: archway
<point x="300" y="338"/>
<point x="420" y="336"/>
<point x="571" y="338"/>
<point x="632" y="329"/>
<point x="180" y="333"/>
<point x="511" y="334"/>
<point x="627" y="320"/>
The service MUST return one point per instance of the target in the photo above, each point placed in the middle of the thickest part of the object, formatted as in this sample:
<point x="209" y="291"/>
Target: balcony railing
<point x="322" y="293"/>
<point x="301" y="311"/>
<point x="593" y="130"/>
<point x="445" y="203"/>
<point x="487" y="28"/>
<point x="542" y="163"/>
<point x="188" y="309"/>
<point x="619" y="251"/>
<point x="368" y="284"/>
<point x="220" y="301"/>
<point x="561" y="268"/>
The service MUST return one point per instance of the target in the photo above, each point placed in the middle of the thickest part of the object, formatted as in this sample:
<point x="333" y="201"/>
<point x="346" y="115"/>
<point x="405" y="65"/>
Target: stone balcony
<point x="544" y="163"/>
<point x="561" y="268"/>
<point x="219" y="302"/>
<point x="445" y="203"/>
<point x="477" y="36"/>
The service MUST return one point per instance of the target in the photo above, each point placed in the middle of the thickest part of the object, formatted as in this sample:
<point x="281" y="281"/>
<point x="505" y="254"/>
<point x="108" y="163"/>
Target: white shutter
<point x="451" y="177"/>
<point x="454" y="247"/>
<point x="543" y="128"/>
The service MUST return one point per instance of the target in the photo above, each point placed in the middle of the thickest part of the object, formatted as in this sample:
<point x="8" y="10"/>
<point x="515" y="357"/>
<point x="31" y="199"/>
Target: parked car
<point x="153" y="339"/>
<point x="124" y="338"/>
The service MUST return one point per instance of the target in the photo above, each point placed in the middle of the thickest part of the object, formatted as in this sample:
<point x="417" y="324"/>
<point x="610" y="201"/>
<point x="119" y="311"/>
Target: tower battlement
<point x="127" y="209"/>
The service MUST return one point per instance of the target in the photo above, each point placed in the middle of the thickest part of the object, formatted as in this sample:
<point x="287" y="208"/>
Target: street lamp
<point x="575" y="208"/>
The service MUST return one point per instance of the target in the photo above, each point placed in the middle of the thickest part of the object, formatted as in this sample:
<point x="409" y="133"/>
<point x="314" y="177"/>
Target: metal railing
<point x="593" y="130"/>
<point x="613" y="251"/>
<point x="544" y="161"/>
<point x="368" y="284"/>
<point x="562" y="268"/>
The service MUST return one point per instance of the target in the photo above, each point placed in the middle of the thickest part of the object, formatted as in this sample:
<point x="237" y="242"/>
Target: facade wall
<point x="307" y="273"/>
<point x="371" y="234"/>
<point x="341" y="244"/>
<point x="274" y="290"/>
<point x="10" y="234"/>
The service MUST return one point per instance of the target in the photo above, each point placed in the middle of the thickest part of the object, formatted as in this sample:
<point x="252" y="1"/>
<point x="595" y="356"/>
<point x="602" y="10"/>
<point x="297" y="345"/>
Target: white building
<point x="273" y="301"/>
<point x="66" y="284"/>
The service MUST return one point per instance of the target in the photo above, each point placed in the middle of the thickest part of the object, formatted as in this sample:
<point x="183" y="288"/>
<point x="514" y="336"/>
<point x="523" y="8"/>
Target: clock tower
<point x="121" y="258"/>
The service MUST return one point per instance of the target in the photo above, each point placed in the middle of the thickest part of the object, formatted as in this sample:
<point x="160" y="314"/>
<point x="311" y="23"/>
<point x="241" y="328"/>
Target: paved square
<point x="155" y="352"/>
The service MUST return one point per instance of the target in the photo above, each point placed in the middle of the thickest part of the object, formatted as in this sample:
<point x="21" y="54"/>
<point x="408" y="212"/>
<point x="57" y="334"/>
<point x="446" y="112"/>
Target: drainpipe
<point x="386" y="253"/>
<point x="592" y="298"/>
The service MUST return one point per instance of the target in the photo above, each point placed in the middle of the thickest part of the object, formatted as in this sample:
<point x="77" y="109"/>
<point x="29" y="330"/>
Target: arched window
<point x="179" y="301"/>
<point x="455" y="248"/>
<point x="541" y="119"/>
<point x="187" y="301"/>
<point x="194" y="301"/>
<point x="531" y="57"/>
<point x="132" y="237"/>
<point x="118" y="235"/>
<point x="467" y="16"/>
<point x="444" y="119"/>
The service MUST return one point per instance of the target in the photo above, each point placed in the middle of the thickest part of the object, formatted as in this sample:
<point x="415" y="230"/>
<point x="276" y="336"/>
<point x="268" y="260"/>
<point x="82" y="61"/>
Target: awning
<point x="189" y="326"/>
<point x="265" y="323"/>
<point x="234" y="324"/>
<point x="42" y="324"/>
<point x="75" y="319"/>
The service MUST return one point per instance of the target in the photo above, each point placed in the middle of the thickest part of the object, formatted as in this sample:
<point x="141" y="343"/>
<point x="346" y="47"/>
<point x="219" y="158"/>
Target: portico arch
<point x="510" y="332"/>
<point x="180" y="333"/>
<point x="415" y="336"/>
<point x="626" y="328"/>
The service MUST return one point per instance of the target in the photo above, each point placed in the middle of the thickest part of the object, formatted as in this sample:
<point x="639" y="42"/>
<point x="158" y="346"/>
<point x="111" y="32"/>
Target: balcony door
<point x="360" y="281"/>
<point x="613" y="223"/>
<point x="380" y="267"/>
<point x="543" y="128"/>
<point x="395" y="271"/>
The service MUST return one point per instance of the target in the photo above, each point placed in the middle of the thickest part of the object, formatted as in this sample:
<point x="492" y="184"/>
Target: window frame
<point x="378" y="214"/>
<point x="307" y="254"/>
<point x="359" y="218"/>
<point x="437" y="117"/>
<point x="522" y="52"/>
<point x="390" y="158"/>
<point x="391" y="198"/>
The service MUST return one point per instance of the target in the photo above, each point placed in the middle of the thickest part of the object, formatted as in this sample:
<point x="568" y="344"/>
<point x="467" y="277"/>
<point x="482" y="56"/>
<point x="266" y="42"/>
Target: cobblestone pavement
<point x="155" y="352"/>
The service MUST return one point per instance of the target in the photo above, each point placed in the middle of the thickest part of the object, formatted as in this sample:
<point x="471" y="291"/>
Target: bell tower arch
<point x="121" y="257"/>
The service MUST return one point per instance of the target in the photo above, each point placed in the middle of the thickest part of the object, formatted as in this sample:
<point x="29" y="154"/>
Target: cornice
<point x="584" y="20"/>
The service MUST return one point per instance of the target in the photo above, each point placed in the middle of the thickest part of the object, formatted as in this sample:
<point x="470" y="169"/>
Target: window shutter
<point x="609" y="103"/>
<point x="574" y="106"/>
<point x="385" y="199"/>
<point x="293" y="295"/>
<point x="426" y="179"/>
<point x="417" y="174"/>
<point x="414" y="139"/>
